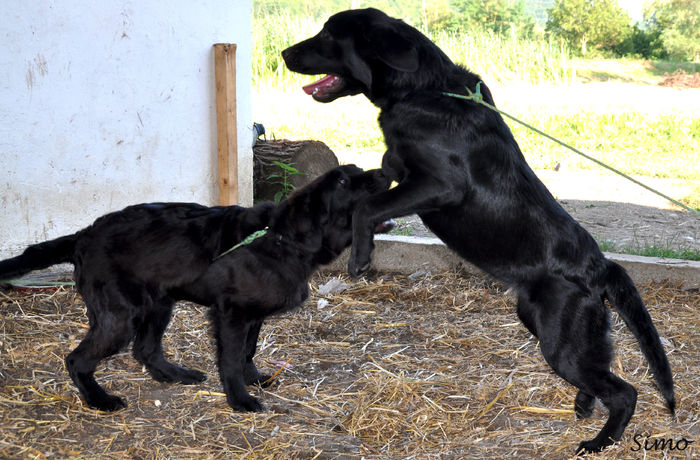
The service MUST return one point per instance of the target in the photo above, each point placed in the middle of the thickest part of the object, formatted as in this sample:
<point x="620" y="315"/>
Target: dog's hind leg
<point x="231" y="333"/>
<point x="527" y="312"/>
<point x="250" y="372"/>
<point x="106" y="337"/>
<point x="148" y="347"/>
<point x="620" y="398"/>
<point x="574" y="326"/>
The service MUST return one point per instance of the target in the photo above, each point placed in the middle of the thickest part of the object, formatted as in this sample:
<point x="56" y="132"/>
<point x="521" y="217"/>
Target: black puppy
<point x="460" y="169"/>
<point x="132" y="265"/>
<point x="126" y="265"/>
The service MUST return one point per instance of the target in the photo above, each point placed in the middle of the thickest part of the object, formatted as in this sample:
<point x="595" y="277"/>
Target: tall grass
<point x="273" y="33"/>
<point x="502" y="58"/>
<point x="509" y="58"/>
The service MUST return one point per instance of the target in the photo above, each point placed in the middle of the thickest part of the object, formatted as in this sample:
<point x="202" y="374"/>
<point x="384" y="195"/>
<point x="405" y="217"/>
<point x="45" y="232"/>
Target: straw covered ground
<point x="393" y="366"/>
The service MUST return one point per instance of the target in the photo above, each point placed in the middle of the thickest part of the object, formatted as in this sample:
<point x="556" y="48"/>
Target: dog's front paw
<point x="192" y="376"/>
<point x="590" y="447"/>
<point x="357" y="268"/>
<point x="107" y="403"/>
<point x="171" y="373"/>
<point x="245" y="404"/>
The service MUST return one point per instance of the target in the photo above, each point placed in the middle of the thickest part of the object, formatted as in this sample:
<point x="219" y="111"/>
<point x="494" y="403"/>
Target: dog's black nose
<point x="286" y="53"/>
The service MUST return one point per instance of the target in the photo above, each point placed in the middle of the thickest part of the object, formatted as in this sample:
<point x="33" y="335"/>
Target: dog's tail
<point x="38" y="256"/>
<point x="622" y="294"/>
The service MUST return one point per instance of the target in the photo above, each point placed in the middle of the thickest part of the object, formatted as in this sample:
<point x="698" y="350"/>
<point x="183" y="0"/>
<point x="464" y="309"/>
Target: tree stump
<point x="309" y="158"/>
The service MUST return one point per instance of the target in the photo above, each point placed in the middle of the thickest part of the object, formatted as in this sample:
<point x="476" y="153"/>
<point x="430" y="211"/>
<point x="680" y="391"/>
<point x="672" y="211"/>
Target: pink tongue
<point x="324" y="83"/>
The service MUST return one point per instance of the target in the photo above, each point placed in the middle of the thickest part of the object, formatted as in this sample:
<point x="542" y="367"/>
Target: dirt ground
<point x="615" y="211"/>
<point x="386" y="367"/>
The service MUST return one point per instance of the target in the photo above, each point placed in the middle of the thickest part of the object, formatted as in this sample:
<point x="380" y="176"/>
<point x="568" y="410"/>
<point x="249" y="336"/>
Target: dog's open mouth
<point x="324" y="87"/>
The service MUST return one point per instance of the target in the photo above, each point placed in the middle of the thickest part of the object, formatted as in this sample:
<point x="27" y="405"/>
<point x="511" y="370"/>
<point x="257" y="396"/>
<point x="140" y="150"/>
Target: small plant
<point x="287" y="170"/>
<point x="402" y="231"/>
<point x="403" y="227"/>
<point x="653" y="250"/>
<point x="667" y="250"/>
<point x="606" y="245"/>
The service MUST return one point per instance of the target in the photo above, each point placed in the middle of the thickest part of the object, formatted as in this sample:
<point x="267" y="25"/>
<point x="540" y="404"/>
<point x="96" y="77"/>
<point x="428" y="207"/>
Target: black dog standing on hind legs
<point x="132" y="265"/>
<point x="460" y="169"/>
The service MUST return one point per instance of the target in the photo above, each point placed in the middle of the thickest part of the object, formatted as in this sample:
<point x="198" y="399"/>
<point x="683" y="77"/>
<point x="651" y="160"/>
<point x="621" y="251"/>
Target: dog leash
<point x="477" y="97"/>
<point x="248" y="239"/>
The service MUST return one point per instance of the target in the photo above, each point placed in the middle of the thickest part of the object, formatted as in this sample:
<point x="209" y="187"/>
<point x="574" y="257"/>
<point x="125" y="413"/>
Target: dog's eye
<point x="341" y="181"/>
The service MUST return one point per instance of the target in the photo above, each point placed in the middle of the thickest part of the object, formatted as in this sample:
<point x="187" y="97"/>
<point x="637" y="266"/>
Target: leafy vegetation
<point x="671" y="28"/>
<point x="675" y="26"/>
<point x="583" y="23"/>
<point x="538" y="10"/>
<point x="494" y="16"/>
<point x="287" y="170"/>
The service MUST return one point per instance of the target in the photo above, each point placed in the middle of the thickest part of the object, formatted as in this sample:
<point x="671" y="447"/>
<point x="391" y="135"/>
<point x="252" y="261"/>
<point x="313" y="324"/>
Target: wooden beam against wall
<point x="226" y="126"/>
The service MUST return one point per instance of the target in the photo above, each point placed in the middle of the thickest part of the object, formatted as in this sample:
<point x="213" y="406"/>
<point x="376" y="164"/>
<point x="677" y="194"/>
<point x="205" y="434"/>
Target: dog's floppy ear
<point x="360" y="70"/>
<point x="393" y="49"/>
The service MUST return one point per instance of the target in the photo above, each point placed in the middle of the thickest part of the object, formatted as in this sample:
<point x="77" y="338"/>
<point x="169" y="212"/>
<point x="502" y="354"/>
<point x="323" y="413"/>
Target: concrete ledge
<point x="405" y="254"/>
<point x="643" y="269"/>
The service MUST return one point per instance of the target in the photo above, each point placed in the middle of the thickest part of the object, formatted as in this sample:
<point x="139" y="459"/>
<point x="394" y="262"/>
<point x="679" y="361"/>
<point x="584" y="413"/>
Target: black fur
<point x="132" y="265"/>
<point x="460" y="169"/>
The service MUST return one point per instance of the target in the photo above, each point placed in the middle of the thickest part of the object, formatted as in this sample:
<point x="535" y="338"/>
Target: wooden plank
<point x="226" y="129"/>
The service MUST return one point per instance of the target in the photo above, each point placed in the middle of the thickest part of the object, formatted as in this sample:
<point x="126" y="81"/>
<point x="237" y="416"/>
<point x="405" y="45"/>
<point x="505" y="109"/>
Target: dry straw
<point x="425" y="366"/>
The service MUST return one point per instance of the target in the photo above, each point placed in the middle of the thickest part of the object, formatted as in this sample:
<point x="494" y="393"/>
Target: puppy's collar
<point x="248" y="239"/>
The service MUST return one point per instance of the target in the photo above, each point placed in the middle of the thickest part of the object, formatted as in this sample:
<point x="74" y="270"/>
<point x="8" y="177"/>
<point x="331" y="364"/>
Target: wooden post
<point x="227" y="150"/>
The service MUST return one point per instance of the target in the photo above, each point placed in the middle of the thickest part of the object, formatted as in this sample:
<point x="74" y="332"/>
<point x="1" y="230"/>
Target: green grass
<point x="272" y="34"/>
<point x="661" y="68"/>
<point x="667" y="251"/>
<point x="661" y="145"/>
<point x="628" y="70"/>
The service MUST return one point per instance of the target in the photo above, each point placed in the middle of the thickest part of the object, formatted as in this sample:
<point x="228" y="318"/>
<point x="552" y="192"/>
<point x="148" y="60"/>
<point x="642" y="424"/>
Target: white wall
<point x="106" y="104"/>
